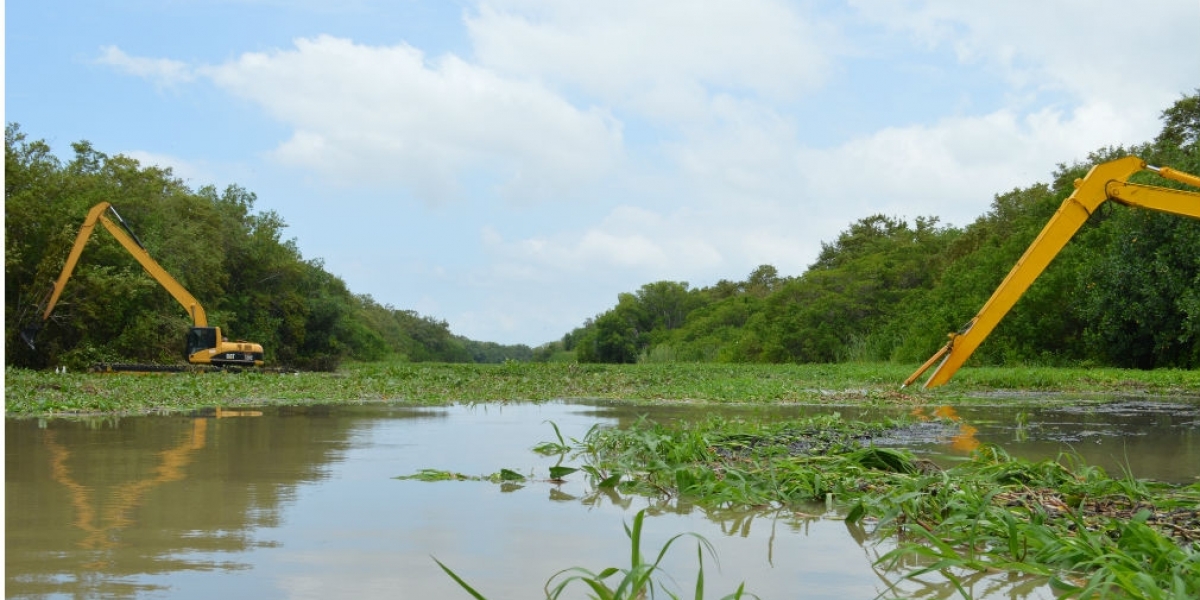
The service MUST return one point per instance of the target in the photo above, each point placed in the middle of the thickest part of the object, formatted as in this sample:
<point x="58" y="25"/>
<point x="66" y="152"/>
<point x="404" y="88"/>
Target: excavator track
<point x="115" y="368"/>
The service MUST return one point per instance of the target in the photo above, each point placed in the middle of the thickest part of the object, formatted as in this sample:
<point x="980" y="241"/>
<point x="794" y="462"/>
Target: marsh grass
<point x="643" y="578"/>
<point x="30" y="393"/>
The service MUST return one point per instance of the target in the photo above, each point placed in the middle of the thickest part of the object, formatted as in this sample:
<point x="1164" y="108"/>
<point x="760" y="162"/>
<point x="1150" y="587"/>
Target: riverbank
<point x="41" y="394"/>
<point x="1052" y="522"/>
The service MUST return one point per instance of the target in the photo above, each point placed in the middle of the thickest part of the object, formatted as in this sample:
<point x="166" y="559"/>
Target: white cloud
<point x="659" y="58"/>
<point x="689" y="127"/>
<point x="954" y="168"/>
<point x="387" y="115"/>
<point x="162" y="71"/>
<point x="1095" y="51"/>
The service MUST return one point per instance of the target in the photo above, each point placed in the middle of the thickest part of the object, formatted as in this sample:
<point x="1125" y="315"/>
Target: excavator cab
<point x="206" y="345"/>
<point x="200" y="338"/>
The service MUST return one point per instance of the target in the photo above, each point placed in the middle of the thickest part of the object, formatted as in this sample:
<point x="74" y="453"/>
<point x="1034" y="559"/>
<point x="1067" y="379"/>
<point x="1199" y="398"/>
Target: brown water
<point x="302" y="503"/>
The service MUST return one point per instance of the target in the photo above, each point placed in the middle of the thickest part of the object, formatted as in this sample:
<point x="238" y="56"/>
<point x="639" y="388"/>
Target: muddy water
<point x="302" y="503"/>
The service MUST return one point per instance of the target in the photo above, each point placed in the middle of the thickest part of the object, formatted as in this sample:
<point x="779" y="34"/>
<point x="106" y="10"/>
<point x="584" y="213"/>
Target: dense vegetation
<point x="1125" y="292"/>
<point x="29" y="393"/>
<point x="253" y="283"/>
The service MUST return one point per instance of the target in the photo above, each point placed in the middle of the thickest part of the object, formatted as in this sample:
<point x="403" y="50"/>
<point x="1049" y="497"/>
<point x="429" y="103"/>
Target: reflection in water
<point x="301" y="503"/>
<point x="125" y="497"/>
<point x="964" y="439"/>
<point x="103" y="518"/>
<point x="224" y="413"/>
<point x="103" y="507"/>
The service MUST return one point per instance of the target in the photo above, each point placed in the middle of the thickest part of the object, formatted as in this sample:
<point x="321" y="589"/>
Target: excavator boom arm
<point x="204" y="346"/>
<point x="131" y="244"/>
<point x="1106" y="181"/>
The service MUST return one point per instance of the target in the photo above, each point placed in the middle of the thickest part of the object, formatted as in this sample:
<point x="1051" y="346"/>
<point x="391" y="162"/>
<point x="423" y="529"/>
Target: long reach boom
<point x="1105" y="181"/>
<point x="205" y="345"/>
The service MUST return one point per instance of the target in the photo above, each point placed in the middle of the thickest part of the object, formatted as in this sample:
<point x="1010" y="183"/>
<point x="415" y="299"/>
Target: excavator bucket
<point x="29" y="332"/>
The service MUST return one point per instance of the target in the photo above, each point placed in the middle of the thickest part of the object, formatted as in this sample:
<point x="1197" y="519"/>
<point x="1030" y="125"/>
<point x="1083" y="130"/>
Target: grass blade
<point x="455" y="577"/>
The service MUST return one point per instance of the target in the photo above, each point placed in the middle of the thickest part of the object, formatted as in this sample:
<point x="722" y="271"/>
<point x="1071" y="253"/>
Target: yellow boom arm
<point x="134" y="246"/>
<point x="1105" y="181"/>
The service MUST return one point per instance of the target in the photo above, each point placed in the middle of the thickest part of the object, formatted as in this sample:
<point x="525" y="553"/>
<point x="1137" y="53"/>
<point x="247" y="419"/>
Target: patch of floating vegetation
<point x="1071" y="525"/>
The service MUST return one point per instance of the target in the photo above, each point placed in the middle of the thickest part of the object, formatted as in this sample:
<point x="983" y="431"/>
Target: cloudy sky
<point x="510" y="166"/>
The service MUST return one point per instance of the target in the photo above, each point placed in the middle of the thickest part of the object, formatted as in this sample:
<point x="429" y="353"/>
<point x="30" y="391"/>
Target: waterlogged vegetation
<point x="41" y="393"/>
<point x="1058" y="522"/>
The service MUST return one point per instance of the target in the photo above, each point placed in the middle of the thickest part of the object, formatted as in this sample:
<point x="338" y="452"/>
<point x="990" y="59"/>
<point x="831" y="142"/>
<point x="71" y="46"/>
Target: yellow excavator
<point x="1105" y="181"/>
<point x="206" y="346"/>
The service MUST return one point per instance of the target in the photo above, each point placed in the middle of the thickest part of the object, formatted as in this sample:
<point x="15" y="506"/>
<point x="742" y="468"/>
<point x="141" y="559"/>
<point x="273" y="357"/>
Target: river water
<point x="302" y="503"/>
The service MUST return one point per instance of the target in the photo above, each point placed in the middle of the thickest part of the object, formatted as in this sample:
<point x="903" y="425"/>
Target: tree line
<point x="254" y="283"/>
<point x="1125" y="291"/>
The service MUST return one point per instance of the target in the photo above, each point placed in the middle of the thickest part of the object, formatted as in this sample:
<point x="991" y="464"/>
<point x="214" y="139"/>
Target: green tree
<point x="252" y="281"/>
<point x="835" y="310"/>
<point x="762" y="281"/>
<point x="666" y="304"/>
<point x="614" y="336"/>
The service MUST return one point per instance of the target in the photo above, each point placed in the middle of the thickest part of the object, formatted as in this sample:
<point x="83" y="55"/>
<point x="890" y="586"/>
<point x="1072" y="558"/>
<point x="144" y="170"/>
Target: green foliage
<point x="39" y="393"/>
<point x="979" y="259"/>
<point x="1142" y="291"/>
<point x="614" y="335"/>
<point x="30" y="393"/>
<point x="254" y="284"/>
<point x="1181" y="125"/>
<point x="1142" y="306"/>
<point x="852" y="290"/>
<point x="1124" y="292"/>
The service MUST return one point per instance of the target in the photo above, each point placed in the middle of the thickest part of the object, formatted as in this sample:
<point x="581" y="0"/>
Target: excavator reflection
<point x="964" y="440"/>
<point x="100" y="526"/>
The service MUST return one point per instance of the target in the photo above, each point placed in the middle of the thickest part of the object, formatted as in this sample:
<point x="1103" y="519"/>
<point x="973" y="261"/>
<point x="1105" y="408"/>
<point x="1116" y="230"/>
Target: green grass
<point x="30" y="393"/>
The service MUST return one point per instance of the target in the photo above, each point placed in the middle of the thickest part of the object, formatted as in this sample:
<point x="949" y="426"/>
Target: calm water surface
<point x="303" y="503"/>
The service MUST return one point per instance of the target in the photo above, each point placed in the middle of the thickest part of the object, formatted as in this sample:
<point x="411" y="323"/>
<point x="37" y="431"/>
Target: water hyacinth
<point x="38" y="394"/>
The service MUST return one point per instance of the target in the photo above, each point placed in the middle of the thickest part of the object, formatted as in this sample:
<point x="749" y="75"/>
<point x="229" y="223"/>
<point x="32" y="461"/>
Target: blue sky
<point x="511" y="166"/>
